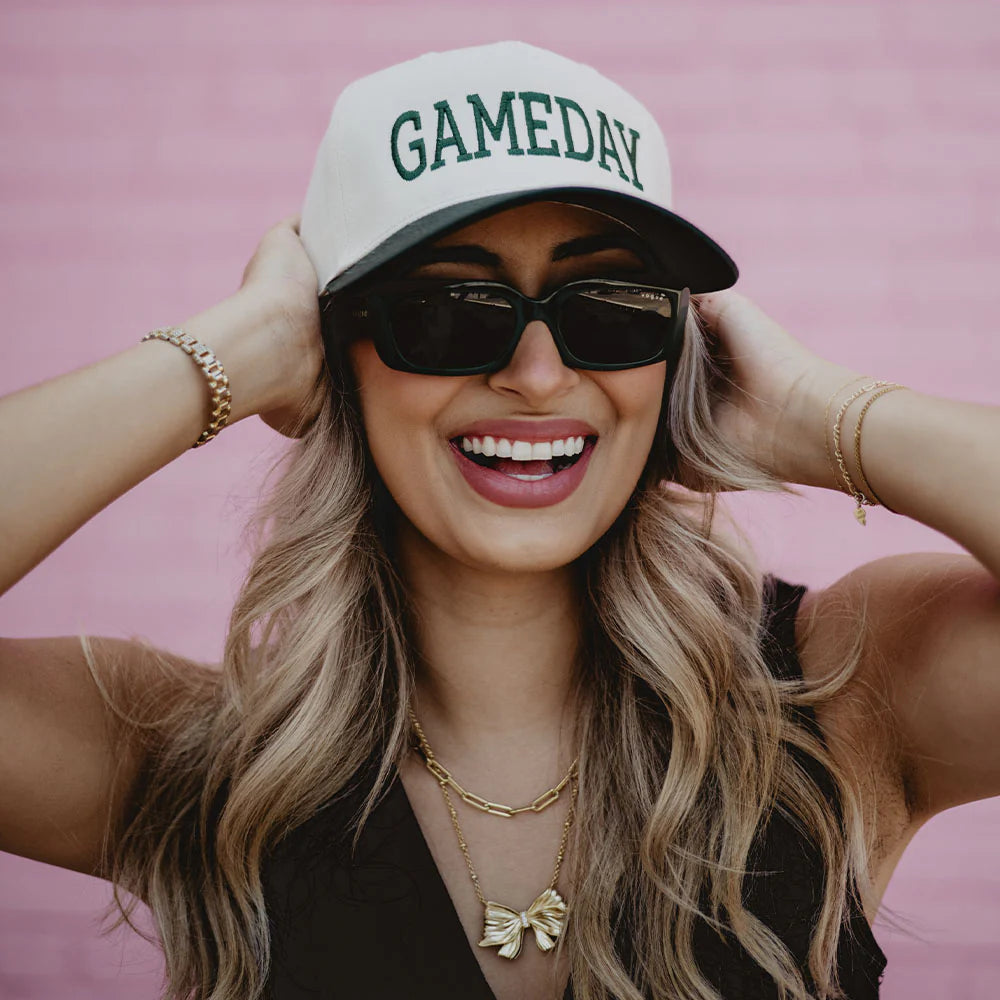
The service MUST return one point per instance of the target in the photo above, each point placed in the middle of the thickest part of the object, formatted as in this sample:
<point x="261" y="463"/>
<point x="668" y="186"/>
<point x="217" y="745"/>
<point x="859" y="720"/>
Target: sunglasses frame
<point x="368" y="313"/>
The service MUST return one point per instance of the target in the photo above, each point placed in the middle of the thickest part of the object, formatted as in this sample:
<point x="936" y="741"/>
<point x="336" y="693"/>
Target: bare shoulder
<point x="916" y="719"/>
<point x="68" y="759"/>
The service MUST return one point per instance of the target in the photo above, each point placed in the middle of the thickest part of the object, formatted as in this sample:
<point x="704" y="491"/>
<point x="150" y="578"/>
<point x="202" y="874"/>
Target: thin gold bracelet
<point x="857" y="442"/>
<point x="826" y="424"/>
<point x="218" y="381"/>
<point x="859" y="497"/>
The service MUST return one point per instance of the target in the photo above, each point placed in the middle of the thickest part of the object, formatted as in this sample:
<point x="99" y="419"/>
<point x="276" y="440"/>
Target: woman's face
<point x="504" y="513"/>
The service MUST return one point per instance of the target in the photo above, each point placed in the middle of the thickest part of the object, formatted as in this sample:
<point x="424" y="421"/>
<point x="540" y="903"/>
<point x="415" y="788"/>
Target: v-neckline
<point x="454" y="932"/>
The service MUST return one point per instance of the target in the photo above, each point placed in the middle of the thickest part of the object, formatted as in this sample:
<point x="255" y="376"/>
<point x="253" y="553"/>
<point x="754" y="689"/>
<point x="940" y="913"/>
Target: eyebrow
<point x="583" y="245"/>
<point x="578" y="247"/>
<point x="458" y="254"/>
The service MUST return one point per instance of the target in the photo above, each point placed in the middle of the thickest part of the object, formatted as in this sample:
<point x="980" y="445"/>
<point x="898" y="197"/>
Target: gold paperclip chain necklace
<point x="495" y="808"/>
<point x="504" y="926"/>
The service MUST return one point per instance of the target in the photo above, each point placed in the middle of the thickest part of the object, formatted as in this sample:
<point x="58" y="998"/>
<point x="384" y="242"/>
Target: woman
<point x="502" y="711"/>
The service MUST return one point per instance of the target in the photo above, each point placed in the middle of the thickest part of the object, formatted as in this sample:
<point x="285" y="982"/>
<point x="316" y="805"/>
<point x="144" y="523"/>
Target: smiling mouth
<point x="524" y="460"/>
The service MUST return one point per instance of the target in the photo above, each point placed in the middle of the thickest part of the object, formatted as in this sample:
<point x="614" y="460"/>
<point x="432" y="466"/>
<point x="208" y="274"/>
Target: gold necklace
<point x="483" y="805"/>
<point x="502" y="925"/>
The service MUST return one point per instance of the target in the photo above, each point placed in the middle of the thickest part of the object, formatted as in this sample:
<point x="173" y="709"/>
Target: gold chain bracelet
<point x="218" y="381"/>
<point x="857" y="441"/>
<point x="826" y="423"/>
<point x="859" y="497"/>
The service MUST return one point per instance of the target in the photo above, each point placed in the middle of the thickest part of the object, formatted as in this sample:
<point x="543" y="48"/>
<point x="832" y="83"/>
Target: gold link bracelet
<point x="218" y="380"/>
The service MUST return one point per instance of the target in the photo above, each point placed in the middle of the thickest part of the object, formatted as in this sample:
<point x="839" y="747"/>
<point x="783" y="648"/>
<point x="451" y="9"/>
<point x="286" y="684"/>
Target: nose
<point x="536" y="371"/>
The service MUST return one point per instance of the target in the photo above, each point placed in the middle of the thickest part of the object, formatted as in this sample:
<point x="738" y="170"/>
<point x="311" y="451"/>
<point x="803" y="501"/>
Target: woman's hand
<point x="281" y="280"/>
<point x="777" y="389"/>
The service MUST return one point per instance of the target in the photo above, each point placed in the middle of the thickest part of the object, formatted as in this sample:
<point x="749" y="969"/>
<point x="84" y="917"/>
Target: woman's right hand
<point x="70" y="446"/>
<point x="281" y="280"/>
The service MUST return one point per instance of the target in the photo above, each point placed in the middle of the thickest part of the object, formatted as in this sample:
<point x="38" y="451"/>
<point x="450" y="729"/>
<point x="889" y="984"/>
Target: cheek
<point x="399" y="410"/>
<point x="636" y="395"/>
<point x="390" y="402"/>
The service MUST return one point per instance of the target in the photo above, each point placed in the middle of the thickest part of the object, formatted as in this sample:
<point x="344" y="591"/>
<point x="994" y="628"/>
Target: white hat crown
<point x="420" y="147"/>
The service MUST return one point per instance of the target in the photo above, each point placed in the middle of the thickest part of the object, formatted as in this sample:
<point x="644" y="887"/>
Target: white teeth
<point x="523" y="451"/>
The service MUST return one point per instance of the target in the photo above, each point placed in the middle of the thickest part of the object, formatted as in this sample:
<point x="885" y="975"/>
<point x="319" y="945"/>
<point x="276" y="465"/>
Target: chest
<point x="514" y="860"/>
<point x="400" y="916"/>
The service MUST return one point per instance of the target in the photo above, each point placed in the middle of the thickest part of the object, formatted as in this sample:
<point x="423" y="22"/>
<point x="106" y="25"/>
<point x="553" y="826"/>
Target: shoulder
<point x="916" y="716"/>
<point x="816" y="631"/>
<point x="70" y="758"/>
<point x="926" y="626"/>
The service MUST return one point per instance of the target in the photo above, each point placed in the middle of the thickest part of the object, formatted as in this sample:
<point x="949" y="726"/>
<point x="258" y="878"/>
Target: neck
<point x="497" y="656"/>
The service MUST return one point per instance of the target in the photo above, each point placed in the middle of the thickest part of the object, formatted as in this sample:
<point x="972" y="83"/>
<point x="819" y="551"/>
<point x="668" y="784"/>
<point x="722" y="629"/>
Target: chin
<point x="517" y="556"/>
<point x="443" y="517"/>
<point x="515" y="543"/>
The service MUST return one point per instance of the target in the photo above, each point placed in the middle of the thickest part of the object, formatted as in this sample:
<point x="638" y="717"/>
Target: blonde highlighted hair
<point x="684" y="728"/>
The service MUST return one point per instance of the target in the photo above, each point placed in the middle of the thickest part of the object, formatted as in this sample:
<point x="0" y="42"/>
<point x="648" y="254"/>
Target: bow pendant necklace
<point x="504" y="926"/>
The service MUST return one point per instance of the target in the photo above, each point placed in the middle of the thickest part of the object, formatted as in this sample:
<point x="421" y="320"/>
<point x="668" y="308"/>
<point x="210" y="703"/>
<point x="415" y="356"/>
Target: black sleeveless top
<point x="382" y="925"/>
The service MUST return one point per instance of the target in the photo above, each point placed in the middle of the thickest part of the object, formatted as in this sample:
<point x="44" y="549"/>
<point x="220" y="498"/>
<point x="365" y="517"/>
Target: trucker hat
<point x="432" y="144"/>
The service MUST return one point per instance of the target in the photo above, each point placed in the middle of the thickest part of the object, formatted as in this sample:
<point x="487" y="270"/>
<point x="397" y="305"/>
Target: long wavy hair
<point x="684" y="730"/>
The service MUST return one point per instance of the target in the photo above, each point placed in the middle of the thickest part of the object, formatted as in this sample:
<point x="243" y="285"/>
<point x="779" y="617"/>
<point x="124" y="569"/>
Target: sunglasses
<point x="473" y="327"/>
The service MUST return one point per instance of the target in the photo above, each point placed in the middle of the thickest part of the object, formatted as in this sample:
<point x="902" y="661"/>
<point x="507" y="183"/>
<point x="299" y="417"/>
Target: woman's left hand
<point x="774" y="403"/>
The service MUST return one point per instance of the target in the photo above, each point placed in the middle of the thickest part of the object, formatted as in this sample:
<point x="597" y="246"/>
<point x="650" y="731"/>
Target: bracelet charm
<point x="861" y="499"/>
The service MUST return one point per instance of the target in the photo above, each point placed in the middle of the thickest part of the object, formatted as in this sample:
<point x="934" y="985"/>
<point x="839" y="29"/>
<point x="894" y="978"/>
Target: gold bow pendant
<point x="506" y="927"/>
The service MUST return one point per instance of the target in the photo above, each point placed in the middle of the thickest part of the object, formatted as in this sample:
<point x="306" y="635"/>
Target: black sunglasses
<point x="473" y="327"/>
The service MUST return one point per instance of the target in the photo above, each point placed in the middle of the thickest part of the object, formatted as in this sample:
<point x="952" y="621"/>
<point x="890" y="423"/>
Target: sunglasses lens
<point x="452" y="328"/>
<point x="617" y="326"/>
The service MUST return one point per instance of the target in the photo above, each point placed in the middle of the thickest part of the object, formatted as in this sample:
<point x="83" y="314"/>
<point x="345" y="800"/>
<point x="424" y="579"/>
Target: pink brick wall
<point x="845" y="153"/>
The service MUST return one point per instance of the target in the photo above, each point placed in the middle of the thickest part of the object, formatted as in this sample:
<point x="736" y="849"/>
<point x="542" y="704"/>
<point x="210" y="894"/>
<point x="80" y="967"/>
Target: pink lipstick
<point x="516" y="463"/>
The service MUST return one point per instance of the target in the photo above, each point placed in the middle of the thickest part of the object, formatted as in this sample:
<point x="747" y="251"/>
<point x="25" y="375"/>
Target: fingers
<point x="711" y="305"/>
<point x="273" y="242"/>
<point x="291" y="222"/>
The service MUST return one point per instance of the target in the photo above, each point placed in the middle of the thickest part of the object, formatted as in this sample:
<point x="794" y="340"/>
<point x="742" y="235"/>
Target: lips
<point x="524" y="463"/>
<point x="531" y="483"/>
<point x="525" y="430"/>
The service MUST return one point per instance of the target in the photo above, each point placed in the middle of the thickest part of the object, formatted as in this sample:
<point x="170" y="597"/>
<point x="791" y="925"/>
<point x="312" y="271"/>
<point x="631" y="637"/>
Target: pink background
<point x="846" y="154"/>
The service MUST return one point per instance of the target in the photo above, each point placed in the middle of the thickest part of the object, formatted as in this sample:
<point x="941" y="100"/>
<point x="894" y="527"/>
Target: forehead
<point x="538" y="234"/>
<point x="539" y="223"/>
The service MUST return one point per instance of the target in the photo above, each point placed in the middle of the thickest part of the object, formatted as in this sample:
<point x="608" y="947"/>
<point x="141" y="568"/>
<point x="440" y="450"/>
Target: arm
<point x="935" y="460"/>
<point x="933" y="650"/>
<point x="933" y="660"/>
<point x="70" y="446"/>
<point x="64" y="779"/>
<point x="73" y="444"/>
